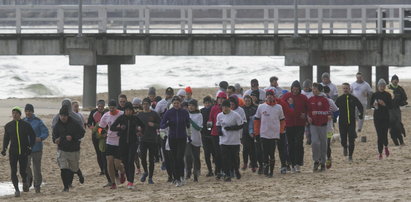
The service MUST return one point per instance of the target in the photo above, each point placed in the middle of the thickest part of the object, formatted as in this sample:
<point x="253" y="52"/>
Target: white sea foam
<point x="39" y="76"/>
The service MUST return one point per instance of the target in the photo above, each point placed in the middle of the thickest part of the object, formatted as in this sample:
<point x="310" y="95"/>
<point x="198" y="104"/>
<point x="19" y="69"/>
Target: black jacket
<point x="206" y="114"/>
<point x="71" y="128"/>
<point x="347" y="114"/>
<point x="90" y="120"/>
<point x="21" y="142"/>
<point x="249" y="112"/>
<point x="128" y="135"/>
<point x="150" y="133"/>
<point x="400" y="97"/>
<point x="382" y="112"/>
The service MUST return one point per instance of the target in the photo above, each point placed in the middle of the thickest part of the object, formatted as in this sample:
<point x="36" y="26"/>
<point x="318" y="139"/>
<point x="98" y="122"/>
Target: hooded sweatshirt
<point x="72" y="114"/>
<point x="71" y="128"/>
<point x="40" y="130"/>
<point x="318" y="110"/>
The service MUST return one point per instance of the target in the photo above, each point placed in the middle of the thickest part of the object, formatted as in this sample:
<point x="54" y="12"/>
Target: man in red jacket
<point x="295" y="124"/>
<point x="318" y="116"/>
<point x="215" y="110"/>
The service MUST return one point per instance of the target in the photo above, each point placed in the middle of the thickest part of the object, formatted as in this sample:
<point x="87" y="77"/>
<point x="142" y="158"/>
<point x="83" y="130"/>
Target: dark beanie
<point x="395" y="77"/>
<point x="226" y="103"/>
<point x="128" y="105"/>
<point x="29" y="107"/>
<point x="234" y="99"/>
<point x="207" y="99"/>
<point x="296" y="84"/>
<point x="255" y="93"/>
<point x="223" y="84"/>
<point x="112" y="103"/>
<point x="169" y="91"/>
<point x="193" y="102"/>
<point x="64" y="110"/>
<point x="147" y="100"/>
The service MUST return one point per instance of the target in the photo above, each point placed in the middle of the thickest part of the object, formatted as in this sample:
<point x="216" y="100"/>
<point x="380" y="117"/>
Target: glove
<point x="3" y="152"/>
<point x="228" y="128"/>
<point x="361" y="116"/>
<point x="163" y="134"/>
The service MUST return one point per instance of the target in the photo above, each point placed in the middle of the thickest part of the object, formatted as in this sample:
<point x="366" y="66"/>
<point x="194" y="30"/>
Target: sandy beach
<point x="365" y="179"/>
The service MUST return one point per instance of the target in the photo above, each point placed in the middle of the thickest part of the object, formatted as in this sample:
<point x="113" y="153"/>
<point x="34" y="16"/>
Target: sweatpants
<point x="396" y="126"/>
<point x="177" y="150"/>
<point x="230" y="158"/>
<point x="347" y="131"/>
<point x="249" y="151"/>
<point x="295" y="136"/>
<point x="151" y="149"/>
<point x="268" y="150"/>
<point x="217" y="152"/>
<point x="381" y="126"/>
<point x="283" y="150"/>
<point x="258" y="152"/>
<point x="128" y="154"/>
<point x="35" y="173"/>
<point x="22" y="161"/>
<point x="208" y="152"/>
<point x="319" y="143"/>
<point x="100" y="157"/>
<point x="192" y="157"/>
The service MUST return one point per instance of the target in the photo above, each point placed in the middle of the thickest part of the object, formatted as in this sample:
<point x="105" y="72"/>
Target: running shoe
<point x="244" y="167"/>
<point x="350" y="158"/>
<point x="195" y="178"/>
<point x="122" y="178"/>
<point x="143" y="177"/>
<point x="387" y="152"/>
<point x="322" y="169"/>
<point x="345" y="151"/>
<point x="253" y="170"/>
<point x="210" y="174"/>
<point x="170" y="179"/>
<point x="17" y="194"/>
<point x="150" y="181"/>
<point x="297" y="169"/>
<point x="237" y="174"/>
<point x="316" y="165"/>
<point x="80" y="177"/>
<point x="293" y="170"/>
<point x="260" y="170"/>
<point x="130" y="185"/>
<point x="328" y="163"/>
<point x="283" y="170"/>
<point x="37" y="189"/>
<point x="26" y="187"/>
<point x="113" y="186"/>
<point x="64" y="190"/>
<point x="179" y="183"/>
<point x="380" y="157"/>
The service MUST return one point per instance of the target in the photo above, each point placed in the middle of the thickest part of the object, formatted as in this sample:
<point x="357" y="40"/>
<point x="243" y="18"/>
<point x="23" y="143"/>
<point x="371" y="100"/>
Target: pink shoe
<point x="380" y="157"/>
<point x="130" y="185"/>
<point x="387" y="152"/>
<point x="113" y="186"/>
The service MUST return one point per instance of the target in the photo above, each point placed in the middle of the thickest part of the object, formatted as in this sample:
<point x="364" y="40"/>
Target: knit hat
<point x="296" y="84"/>
<point x="222" y="95"/>
<point x="169" y="91"/>
<point x="226" y="103"/>
<point x="112" y="103"/>
<point x="223" y="84"/>
<point x="269" y="92"/>
<point x="325" y="75"/>
<point x="237" y="86"/>
<point x="64" y="111"/>
<point x="193" y="102"/>
<point x="136" y="101"/>
<point x="189" y="90"/>
<point x="129" y="106"/>
<point x="307" y="83"/>
<point x="29" y="107"/>
<point x="101" y="102"/>
<point x="147" y="100"/>
<point x="176" y="98"/>
<point x="207" y="99"/>
<point x="181" y="92"/>
<point x="152" y="91"/>
<point x="17" y="109"/>
<point x="395" y="77"/>
<point x="381" y="82"/>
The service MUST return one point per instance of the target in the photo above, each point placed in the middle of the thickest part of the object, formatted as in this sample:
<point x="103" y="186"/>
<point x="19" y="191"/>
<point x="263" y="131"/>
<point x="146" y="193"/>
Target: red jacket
<point x="215" y="110"/>
<point x="293" y="118"/>
<point x="318" y="110"/>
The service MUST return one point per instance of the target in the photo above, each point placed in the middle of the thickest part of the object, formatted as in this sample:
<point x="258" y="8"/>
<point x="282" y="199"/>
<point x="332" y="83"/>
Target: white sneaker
<point x="293" y="170"/>
<point x="297" y="169"/>
<point x="179" y="183"/>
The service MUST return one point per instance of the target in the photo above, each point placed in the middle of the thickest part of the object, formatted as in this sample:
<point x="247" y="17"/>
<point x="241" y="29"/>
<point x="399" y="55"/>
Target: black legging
<point x="348" y="131"/>
<point x="128" y="153"/>
<point x="177" y="149"/>
<point x="100" y="157"/>
<point x="249" y="151"/>
<point x="295" y="136"/>
<point x="208" y="152"/>
<point x="105" y="168"/>
<point x="151" y="149"/>
<point x="66" y="177"/>
<point x="167" y="159"/>
<point x="283" y="150"/>
<point x="381" y="126"/>
<point x="268" y="149"/>
<point x="22" y="160"/>
<point x="258" y="151"/>
<point x="230" y="158"/>
<point x="217" y="152"/>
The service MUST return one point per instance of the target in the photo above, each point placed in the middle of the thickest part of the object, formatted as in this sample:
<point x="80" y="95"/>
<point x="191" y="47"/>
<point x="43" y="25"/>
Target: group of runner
<point x="172" y="130"/>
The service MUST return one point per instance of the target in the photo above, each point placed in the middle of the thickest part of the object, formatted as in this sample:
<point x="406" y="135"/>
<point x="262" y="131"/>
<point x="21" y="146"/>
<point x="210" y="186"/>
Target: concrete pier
<point x="306" y="72"/>
<point x="114" y="81"/>
<point x="89" y="86"/>
<point x="366" y="71"/>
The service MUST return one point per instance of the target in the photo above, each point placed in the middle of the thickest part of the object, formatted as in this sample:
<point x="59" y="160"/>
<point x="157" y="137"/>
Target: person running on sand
<point x="325" y="77"/>
<point x="229" y="126"/>
<point x="248" y="138"/>
<point x="399" y="99"/>
<point x="269" y="123"/>
<point x="66" y="134"/>
<point x="348" y="105"/>
<point x="129" y="127"/>
<point x="42" y="132"/>
<point x="148" y="143"/>
<point x="318" y="116"/>
<point x="206" y="137"/>
<point x="223" y="87"/>
<point x="112" y="144"/>
<point x="274" y="86"/>
<point x="330" y="126"/>
<point x="21" y="137"/>
<point x="192" y="154"/>
<point x="122" y="99"/>
<point x="382" y="103"/>
<point x="362" y="90"/>
<point x="177" y="120"/>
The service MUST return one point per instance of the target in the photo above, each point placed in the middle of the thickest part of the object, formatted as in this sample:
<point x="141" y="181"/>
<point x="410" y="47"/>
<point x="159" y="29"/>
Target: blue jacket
<point x="41" y="131"/>
<point x="177" y="121"/>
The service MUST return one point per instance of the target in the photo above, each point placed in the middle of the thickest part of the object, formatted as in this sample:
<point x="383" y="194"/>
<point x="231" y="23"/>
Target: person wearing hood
<point x="295" y="125"/>
<point x="247" y="136"/>
<point x="348" y="105"/>
<point x="192" y="154"/>
<point x="269" y="123"/>
<point x="67" y="134"/>
<point x="399" y="99"/>
<point x="212" y="120"/>
<point x="177" y="120"/>
<point x="42" y="132"/>
<point x="230" y="126"/>
<point x="274" y="86"/>
<point x="327" y="82"/>
<point x="92" y="123"/>
<point x="122" y="99"/>
<point x="148" y="143"/>
<point x="21" y="137"/>
<point x="255" y="87"/>
<point x="112" y="144"/>
<point x="128" y="127"/>
<point x="223" y="87"/>
<point x="362" y="90"/>
<point x="382" y="103"/>
<point x="137" y="105"/>
<point x="318" y="116"/>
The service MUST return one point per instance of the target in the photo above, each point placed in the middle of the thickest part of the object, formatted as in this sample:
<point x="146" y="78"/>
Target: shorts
<point x="68" y="160"/>
<point x="112" y="150"/>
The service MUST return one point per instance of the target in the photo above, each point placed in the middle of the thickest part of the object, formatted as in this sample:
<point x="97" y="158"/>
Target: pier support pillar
<point x="306" y="72"/>
<point x="366" y="71"/>
<point x="89" y="86"/>
<point x="381" y="72"/>
<point x="114" y="81"/>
